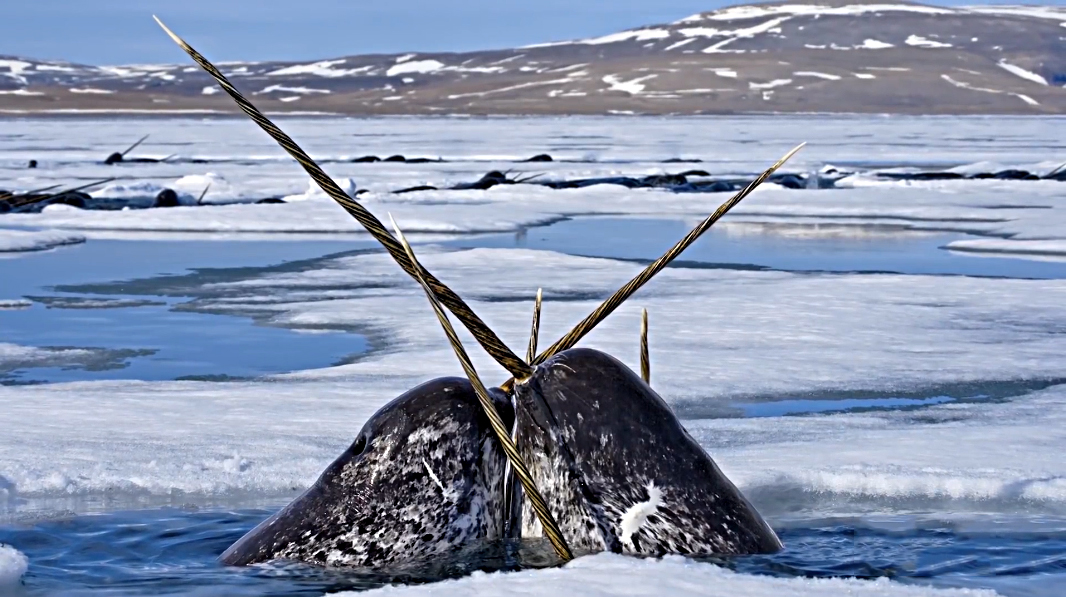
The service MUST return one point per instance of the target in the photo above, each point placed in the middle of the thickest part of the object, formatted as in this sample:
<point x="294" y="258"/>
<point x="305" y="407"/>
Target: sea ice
<point x="717" y="336"/>
<point x="13" y="565"/>
<point x="609" y="574"/>
<point x="14" y="241"/>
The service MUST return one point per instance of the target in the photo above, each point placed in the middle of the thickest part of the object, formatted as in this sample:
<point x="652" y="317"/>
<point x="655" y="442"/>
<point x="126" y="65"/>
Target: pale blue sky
<point x="122" y="31"/>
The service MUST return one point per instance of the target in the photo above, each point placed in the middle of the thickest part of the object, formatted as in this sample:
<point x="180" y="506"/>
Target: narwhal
<point x="600" y="460"/>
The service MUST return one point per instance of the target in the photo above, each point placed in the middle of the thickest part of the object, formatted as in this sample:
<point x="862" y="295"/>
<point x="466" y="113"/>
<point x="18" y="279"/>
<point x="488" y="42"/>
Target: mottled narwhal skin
<point x="423" y="479"/>
<point x="618" y="470"/>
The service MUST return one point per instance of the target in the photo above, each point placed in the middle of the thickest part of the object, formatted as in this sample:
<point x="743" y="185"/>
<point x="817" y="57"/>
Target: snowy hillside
<point x="837" y="56"/>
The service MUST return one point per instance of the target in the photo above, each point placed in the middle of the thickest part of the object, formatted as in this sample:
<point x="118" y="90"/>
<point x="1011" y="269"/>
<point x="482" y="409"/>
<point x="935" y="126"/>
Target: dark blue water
<point x="173" y="552"/>
<point x="149" y="337"/>
<point x="776" y="247"/>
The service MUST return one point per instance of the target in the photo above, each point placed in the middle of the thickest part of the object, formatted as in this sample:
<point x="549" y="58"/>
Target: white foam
<point x="609" y="575"/>
<point x="14" y="241"/>
<point x="13" y="565"/>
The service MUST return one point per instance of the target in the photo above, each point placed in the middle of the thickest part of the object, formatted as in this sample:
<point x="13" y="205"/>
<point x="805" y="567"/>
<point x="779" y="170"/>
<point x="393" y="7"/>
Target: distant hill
<point x="834" y="56"/>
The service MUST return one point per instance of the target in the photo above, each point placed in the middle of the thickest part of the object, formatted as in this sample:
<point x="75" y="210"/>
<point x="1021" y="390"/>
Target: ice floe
<point x="878" y="334"/>
<point x="609" y="575"/>
<point x="13" y="565"/>
<point x="14" y="241"/>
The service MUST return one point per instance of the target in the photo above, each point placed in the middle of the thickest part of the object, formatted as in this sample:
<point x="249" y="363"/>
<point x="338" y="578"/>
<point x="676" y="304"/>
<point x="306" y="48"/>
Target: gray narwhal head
<point x="618" y="469"/>
<point x="422" y="480"/>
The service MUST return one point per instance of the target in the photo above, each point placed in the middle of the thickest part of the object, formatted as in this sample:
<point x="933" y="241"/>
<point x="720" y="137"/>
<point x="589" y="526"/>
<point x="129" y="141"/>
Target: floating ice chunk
<point x="921" y="42"/>
<point x="14" y="241"/>
<point x="91" y="90"/>
<point x="1050" y="247"/>
<point x="864" y="76"/>
<point x="13" y="565"/>
<point x="314" y="192"/>
<point x="418" y="66"/>
<point x="210" y="90"/>
<point x="1021" y="72"/>
<point x="20" y="92"/>
<point x="609" y="575"/>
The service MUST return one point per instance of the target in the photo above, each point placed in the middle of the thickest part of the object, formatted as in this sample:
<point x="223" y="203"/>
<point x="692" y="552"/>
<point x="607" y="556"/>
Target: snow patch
<point x="634" y="35"/>
<point x="739" y="13"/>
<point x="825" y="76"/>
<point x="323" y="68"/>
<point x="1026" y="99"/>
<point x="284" y="89"/>
<point x="770" y="85"/>
<point x="1021" y="72"/>
<point x="632" y="87"/>
<point x="418" y="66"/>
<point x="873" y="44"/>
<point x="921" y="42"/>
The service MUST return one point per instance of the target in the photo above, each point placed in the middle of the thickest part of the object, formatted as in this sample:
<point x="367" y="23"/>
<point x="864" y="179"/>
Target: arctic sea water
<point x="886" y="396"/>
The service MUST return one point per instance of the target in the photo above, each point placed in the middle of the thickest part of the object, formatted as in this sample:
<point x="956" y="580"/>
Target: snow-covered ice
<point x="828" y="333"/>
<point x="611" y="574"/>
<point x="13" y="565"/>
<point x="13" y="241"/>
